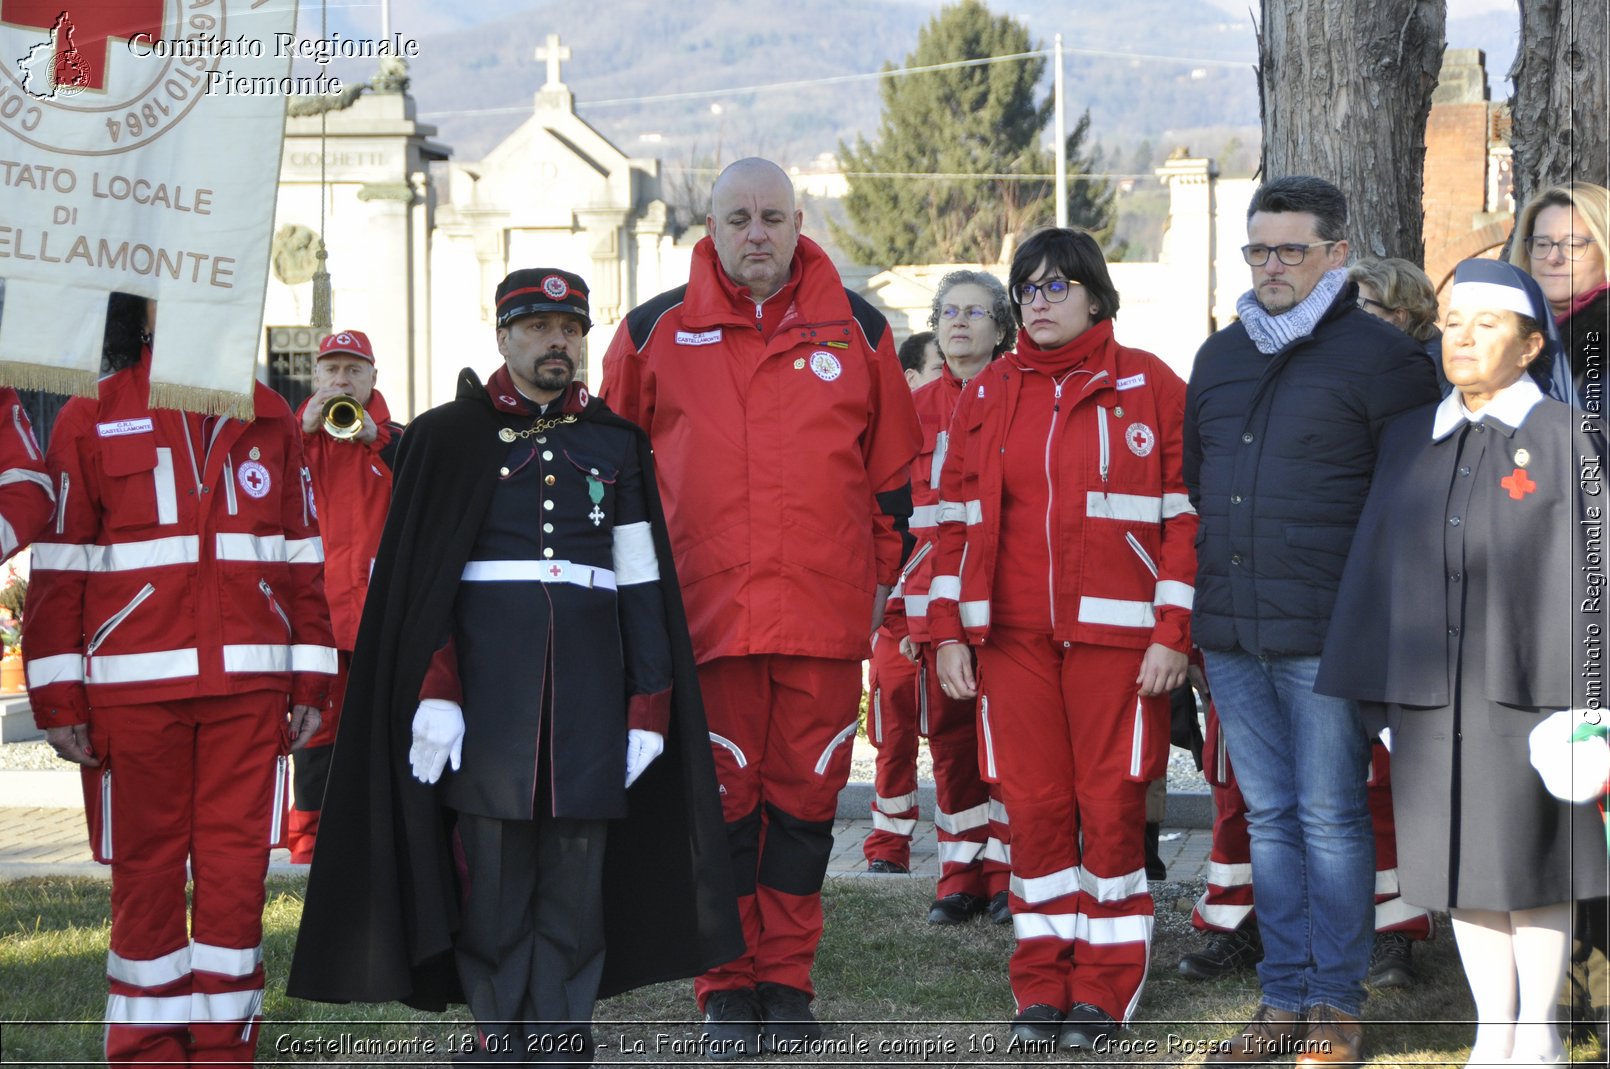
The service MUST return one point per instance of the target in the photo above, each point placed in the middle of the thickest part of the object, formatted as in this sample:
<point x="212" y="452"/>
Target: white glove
<point x="1572" y="771"/>
<point x="642" y="747"/>
<point x="438" y="736"/>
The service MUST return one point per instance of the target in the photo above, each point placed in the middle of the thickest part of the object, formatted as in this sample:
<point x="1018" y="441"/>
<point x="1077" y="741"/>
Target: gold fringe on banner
<point x="208" y="402"/>
<point x="50" y="379"/>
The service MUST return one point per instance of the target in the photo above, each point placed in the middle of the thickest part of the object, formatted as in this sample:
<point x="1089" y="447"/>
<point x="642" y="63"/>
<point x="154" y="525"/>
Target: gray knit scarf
<point x="1272" y="333"/>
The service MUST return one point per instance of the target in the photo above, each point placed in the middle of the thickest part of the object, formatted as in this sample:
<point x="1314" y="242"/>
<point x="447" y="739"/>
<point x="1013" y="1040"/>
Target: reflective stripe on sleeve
<point x="61" y="668"/>
<point x="1172" y="592"/>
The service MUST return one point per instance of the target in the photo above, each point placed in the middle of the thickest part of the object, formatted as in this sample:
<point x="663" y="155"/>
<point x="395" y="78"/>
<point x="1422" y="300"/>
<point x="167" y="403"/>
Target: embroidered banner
<point x="139" y="151"/>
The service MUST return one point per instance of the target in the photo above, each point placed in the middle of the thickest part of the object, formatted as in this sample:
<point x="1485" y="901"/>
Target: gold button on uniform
<point x="547" y="454"/>
<point x="547" y="552"/>
<point x="503" y="472"/>
<point x="550" y="480"/>
<point x="547" y="505"/>
<point x="547" y="528"/>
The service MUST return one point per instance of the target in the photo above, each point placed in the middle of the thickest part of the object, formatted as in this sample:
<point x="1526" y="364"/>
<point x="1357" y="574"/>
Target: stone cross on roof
<point x="553" y="52"/>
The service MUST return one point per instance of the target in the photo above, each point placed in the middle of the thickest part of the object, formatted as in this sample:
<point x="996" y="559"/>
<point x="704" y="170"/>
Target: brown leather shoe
<point x="1270" y="1034"/>
<point x="1331" y="1038"/>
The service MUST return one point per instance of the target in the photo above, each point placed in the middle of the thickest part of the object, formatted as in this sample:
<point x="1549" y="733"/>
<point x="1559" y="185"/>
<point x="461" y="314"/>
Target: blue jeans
<point x="1302" y="760"/>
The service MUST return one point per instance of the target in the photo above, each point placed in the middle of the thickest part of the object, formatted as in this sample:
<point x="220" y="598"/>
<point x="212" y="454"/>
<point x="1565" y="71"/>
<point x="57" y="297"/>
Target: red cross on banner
<point x="555" y="571"/>
<point x="1519" y="484"/>
<point x="86" y="32"/>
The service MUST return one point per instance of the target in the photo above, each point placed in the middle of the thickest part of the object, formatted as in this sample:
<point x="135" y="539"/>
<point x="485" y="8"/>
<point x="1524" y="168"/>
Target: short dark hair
<point x="914" y="351"/>
<point x="1000" y="305"/>
<point x="1304" y="193"/>
<point x="1072" y="253"/>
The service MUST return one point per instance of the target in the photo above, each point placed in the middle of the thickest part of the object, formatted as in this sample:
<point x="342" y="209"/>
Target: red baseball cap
<point x="355" y="342"/>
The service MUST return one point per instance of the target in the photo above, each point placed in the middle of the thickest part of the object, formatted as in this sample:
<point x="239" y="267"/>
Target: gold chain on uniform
<point x="541" y="426"/>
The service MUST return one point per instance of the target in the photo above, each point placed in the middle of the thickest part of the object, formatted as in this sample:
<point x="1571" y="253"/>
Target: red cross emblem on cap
<point x="556" y="287"/>
<point x="555" y="571"/>
<point x="1519" y="484"/>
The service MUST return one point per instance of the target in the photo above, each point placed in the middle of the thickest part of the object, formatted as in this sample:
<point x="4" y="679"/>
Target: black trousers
<point x="530" y="950"/>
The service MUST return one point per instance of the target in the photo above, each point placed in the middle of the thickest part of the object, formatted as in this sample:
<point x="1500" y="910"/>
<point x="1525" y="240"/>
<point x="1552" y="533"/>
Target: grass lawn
<point x="891" y="988"/>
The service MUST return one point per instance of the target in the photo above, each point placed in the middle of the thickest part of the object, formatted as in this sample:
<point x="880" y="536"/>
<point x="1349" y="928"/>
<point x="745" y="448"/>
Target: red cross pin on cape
<point x="1518" y="483"/>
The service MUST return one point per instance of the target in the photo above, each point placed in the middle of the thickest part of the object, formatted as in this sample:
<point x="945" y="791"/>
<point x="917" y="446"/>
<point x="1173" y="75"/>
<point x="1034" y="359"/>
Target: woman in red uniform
<point x="1065" y="557"/>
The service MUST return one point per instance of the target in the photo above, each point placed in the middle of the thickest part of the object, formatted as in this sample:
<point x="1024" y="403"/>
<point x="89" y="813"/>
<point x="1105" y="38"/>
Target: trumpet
<point x="343" y="417"/>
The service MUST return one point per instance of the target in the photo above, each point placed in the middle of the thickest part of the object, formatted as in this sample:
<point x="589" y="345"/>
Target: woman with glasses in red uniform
<point x="1066" y="563"/>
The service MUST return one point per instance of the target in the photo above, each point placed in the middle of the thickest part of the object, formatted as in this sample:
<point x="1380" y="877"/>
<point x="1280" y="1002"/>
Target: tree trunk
<point x="1345" y="87"/>
<point x="1559" y="132"/>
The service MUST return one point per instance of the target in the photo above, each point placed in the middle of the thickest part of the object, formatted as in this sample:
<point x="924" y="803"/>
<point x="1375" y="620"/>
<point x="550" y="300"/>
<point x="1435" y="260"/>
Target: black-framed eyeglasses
<point x="1055" y="290"/>
<point x="1291" y="255"/>
<point x="972" y="311"/>
<point x="1571" y="248"/>
<point x="1365" y="302"/>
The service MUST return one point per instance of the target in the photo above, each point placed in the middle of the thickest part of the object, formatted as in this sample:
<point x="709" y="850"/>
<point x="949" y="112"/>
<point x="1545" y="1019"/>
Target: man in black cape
<point x="389" y="896"/>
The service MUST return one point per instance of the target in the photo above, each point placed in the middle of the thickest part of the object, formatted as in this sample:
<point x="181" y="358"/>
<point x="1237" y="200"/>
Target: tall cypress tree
<point x="971" y="120"/>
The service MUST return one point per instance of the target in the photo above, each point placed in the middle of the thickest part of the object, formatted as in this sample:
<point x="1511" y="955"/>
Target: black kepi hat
<point x="542" y="289"/>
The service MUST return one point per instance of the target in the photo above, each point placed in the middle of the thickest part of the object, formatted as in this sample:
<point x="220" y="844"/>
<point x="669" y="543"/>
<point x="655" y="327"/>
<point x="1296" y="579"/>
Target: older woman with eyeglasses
<point x="1066" y="561"/>
<point x="1561" y="242"/>
<point x="972" y="322"/>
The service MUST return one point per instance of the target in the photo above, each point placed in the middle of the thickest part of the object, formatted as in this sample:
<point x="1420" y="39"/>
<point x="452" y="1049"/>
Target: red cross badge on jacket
<point x="1518" y="483"/>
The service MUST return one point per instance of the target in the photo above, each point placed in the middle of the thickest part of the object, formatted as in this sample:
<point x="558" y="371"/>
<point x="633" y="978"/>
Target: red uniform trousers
<point x="1060" y="724"/>
<point x="200" y="781"/>
<point x="969" y="819"/>
<point x="1227" y="901"/>
<point x="311" y="769"/>
<point x="896" y="714"/>
<point x="781" y="729"/>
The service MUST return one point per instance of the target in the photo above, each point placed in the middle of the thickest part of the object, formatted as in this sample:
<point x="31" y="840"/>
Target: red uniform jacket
<point x="26" y="492"/>
<point x="783" y="464"/>
<point x="351" y="489"/>
<point x="908" y="605"/>
<point x="1123" y="529"/>
<point x="177" y="567"/>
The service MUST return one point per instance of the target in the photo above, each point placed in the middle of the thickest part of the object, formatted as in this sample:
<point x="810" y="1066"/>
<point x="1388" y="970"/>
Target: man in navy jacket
<point x="1283" y="417"/>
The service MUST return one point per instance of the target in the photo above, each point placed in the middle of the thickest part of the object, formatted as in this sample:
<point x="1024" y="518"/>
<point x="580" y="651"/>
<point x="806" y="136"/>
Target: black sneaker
<point x="1000" y="910"/>
<point x="1085" y="1024"/>
<point x="1226" y="952"/>
<point x="789" y="1022"/>
<point x="1038" y="1023"/>
<point x="732" y="1024"/>
<point x="886" y="867"/>
<point x="958" y="908"/>
<point x="1391" y="961"/>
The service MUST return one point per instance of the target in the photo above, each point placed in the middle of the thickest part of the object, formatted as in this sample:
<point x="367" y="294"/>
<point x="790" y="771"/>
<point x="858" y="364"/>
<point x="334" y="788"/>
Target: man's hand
<point x="909" y="649"/>
<point x="438" y="738"/>
<point x="642" y="747"/>
<point x="879" y="598"/>
<point x="954" y="663"/>
<point x="1161" y="670"/>
<point x="313" y="414"/>
<point x="71" y="743"/>
<point x="370" y="432"/>
<point x="305" y="721"/>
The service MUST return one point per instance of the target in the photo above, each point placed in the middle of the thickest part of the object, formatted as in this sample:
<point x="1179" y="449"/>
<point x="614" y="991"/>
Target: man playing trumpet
<point x="351" y="489"/>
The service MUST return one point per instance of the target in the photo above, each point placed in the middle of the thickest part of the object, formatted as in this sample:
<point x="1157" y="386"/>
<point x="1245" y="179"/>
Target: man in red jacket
<point x="784" y="432"/>
<point x="351" y="487"/>
<point x="179" y="638"/>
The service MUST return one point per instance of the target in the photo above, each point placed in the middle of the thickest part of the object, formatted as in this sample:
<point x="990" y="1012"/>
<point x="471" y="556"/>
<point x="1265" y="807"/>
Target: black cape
<point x="383" y="895"/>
